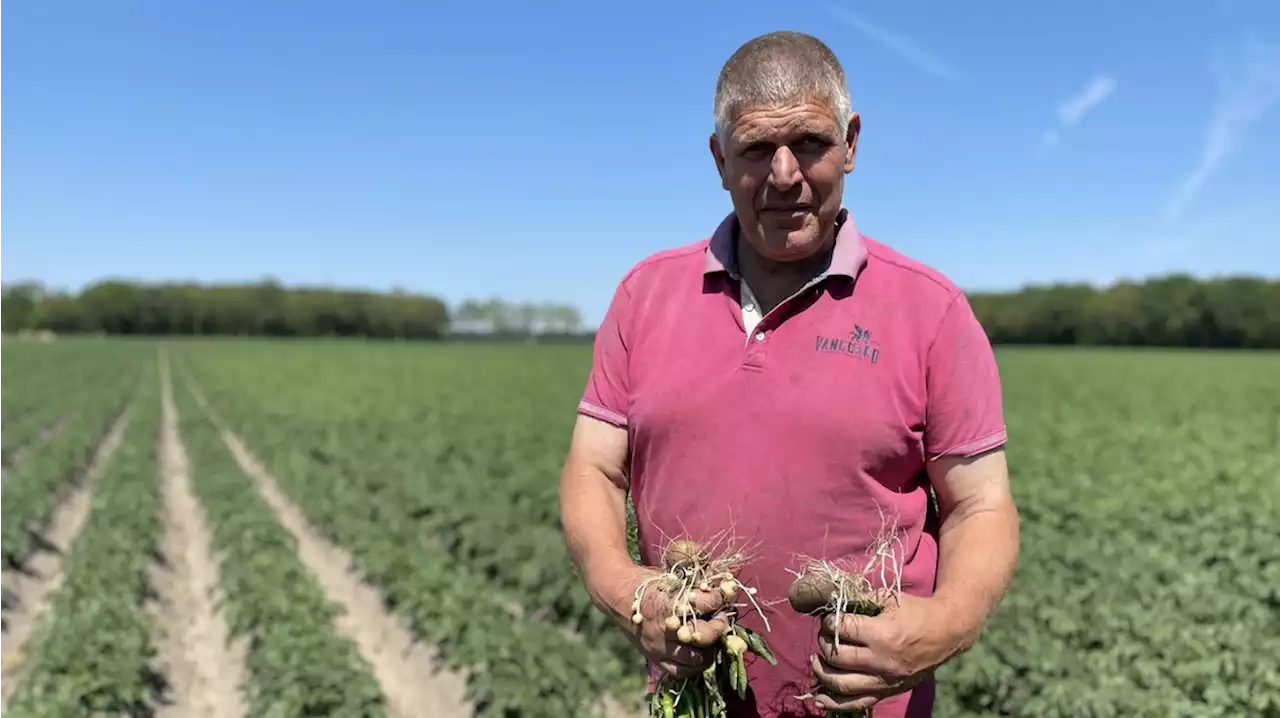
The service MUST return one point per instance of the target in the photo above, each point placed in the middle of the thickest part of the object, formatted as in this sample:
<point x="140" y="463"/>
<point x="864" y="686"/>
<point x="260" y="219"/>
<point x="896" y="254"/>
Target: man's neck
<point x="773" y="282"/>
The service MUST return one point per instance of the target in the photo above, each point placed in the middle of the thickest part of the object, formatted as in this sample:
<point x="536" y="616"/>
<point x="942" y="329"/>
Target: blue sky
<point x="537" y="150"/>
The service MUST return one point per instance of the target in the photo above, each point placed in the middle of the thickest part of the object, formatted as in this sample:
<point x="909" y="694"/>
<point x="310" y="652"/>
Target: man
<point x="785" y="382"/>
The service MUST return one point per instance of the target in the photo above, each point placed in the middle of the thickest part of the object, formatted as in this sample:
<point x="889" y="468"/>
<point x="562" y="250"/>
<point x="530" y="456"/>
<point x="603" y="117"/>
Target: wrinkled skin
<point x="784" y="169"/>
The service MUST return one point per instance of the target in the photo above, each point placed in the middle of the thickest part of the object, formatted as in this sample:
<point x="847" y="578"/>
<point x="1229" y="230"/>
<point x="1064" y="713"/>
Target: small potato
<point x="683" y="552"/>
<point x="810" y="593"/>
<point x="728" y="588"/>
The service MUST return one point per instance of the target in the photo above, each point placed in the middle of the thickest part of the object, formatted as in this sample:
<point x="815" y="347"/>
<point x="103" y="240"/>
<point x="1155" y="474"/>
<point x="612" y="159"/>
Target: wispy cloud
<point x="1074" y="108"/>
<point x="1248" y="88"/>
<point x="901" y="46"/>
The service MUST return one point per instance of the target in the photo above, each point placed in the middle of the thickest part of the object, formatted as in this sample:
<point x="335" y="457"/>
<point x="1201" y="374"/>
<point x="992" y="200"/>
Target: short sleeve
<point x="606" y="396"/>
<point x="964" y="412"/>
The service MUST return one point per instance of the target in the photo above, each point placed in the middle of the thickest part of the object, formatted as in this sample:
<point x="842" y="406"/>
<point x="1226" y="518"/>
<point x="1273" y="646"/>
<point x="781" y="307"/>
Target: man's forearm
<point x="978" y="551"/>
<point x="594" y="520"/>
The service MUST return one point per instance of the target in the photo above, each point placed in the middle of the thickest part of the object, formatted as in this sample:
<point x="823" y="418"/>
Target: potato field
<point x="308" y="528"/>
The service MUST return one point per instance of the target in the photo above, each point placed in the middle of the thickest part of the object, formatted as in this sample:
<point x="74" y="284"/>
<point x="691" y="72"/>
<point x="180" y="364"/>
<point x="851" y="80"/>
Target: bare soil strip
<point x="408" y="673"/>
<point x="206" y="671"/>
<point x="46" y="435"/>
<point x="27" y="594"/>
<point x="381" y="638"/>
<point x="406" y="670"/>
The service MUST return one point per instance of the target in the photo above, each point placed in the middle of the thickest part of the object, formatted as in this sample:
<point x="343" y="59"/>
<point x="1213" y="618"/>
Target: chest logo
<point x="856" y="344"/>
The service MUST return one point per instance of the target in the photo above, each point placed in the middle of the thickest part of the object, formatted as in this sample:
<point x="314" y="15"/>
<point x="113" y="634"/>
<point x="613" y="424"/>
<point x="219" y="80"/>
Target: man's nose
<point x="784" y="169"/>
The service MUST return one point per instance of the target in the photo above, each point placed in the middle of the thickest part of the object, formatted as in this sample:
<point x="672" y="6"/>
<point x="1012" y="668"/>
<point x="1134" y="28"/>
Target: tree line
<point x="263" y="309"/>
<point x="1175" y="310"/>
<point x="1171" y="311"/>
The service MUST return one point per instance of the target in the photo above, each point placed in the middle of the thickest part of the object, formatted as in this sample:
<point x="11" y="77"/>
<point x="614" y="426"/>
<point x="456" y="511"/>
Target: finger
<point x="847" y="683"/>
<point x="851" y="656"/>
<point x="853" y="628"/>
<point x="677" y="670"/>
<point x="844" y="704"/>
<point x="692" y="656"/>
<point x="706" y="633"/>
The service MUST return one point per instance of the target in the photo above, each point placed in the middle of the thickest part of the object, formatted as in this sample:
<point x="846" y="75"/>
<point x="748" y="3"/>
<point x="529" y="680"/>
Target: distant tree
<point x="266" y="308"/>
<point x="21" y="306"/>
<point x="1174" y="310"/>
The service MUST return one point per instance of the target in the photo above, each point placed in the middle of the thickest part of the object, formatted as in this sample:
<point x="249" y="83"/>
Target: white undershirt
<point x="750" y="308"/>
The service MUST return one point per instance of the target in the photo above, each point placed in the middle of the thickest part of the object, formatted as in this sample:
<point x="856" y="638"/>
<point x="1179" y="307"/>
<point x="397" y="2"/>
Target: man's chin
<point x="788" y="246"/>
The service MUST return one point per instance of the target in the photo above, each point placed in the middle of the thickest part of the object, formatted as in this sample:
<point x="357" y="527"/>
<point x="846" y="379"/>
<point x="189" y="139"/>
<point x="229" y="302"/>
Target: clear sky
<point x="537" y="150"/>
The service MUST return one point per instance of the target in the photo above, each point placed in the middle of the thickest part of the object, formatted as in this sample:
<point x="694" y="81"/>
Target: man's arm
<point x="978" y="547"/>
<point x="977" y="541"/>
<point x="964" y="438"/>
<point x="593" y="495"/>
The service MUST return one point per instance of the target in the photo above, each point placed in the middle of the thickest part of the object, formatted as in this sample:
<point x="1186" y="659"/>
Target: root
<point x="824" y="586"/>
<point x="691" y="567"/>
<point x="690" y="570"/>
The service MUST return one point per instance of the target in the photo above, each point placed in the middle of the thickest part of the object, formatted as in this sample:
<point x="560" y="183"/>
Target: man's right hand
<point x="593" y="496"/>
<point x="658" y="643"/>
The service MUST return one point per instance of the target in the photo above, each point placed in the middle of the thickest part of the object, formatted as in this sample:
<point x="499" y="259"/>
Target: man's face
<point x="784" y="169"/>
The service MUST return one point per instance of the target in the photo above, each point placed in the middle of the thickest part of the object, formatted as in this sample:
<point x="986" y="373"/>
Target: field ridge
<point x="204" y="667"/>
<point x="26" y="592"/>
<point x="406" y="669"/>
<point x="46" y="433"/>
<point x="1148" y="583"/>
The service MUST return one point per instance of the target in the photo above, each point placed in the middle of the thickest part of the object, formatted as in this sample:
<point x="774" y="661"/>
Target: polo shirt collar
<point x="847" y="259"/>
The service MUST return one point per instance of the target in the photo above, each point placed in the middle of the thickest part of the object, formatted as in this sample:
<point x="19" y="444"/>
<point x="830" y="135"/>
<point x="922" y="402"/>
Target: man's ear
<point x="851" y="141"/>
<point x="718" y="156"/>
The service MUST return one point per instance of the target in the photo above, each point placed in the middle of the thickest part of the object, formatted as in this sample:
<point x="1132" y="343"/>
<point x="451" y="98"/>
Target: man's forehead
<point x="784" y="121"/>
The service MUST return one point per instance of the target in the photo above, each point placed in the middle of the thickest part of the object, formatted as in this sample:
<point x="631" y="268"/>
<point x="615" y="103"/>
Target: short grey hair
<point x="779" y="68"/>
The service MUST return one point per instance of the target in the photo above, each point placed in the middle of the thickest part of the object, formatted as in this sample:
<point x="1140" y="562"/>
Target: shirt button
<point x="749" y="307"/>
<point x="759" y="336"/>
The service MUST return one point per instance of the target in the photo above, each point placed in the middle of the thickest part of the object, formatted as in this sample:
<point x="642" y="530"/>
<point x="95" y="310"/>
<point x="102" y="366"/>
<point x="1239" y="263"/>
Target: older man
<point x="790" y="380"/>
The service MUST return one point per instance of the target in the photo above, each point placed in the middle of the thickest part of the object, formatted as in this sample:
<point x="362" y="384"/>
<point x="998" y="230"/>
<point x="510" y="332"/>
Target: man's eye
<point x="810" y="145"/>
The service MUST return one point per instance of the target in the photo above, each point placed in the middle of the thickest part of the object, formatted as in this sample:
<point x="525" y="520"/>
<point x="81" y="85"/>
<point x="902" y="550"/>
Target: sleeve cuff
<point x="599" y="412"/>
<point x="974" y="447"/>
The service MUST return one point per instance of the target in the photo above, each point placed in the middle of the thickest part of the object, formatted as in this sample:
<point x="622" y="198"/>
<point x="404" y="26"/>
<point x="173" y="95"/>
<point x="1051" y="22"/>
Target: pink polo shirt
<point x="794" y="437"/>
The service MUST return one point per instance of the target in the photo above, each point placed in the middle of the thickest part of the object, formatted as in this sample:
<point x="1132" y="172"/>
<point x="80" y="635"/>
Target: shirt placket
<point x="752" y="319"/>
<point x="750" y="309"/>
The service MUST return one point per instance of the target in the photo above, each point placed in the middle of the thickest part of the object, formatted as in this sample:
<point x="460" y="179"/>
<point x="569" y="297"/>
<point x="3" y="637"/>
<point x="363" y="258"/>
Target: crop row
<point x="44" y="386"/>
<point x="31" y="372"/>
<point x="297" y="664"/>
<point x="1150" y="574"/>
<point x="371" y="503"/>
<point x="1149" y="581"/>
<point x="34" y="487"/>
<point x="480" y="468"/>
<point x="92" y="655"/>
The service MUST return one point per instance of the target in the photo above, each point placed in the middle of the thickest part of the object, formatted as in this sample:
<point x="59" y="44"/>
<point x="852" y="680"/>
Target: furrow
<point x="27" y="592"/>
<point x="406" y="670"/>
<point x="205" y="669"/>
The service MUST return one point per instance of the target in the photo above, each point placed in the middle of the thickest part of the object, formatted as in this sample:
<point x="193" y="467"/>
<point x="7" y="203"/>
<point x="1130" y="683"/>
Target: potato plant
<point x="689" y="568"/>
<point x="33" y="488"/>
<point x="301" y="666"/>
<point x="839" y="588"/>
<point x="1146" y="481"/>
<point x="93" y="657"/>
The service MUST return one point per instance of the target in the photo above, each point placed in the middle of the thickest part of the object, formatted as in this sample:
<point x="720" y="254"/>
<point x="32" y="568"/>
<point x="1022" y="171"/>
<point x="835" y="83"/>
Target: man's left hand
<point x="881" y="656"/>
